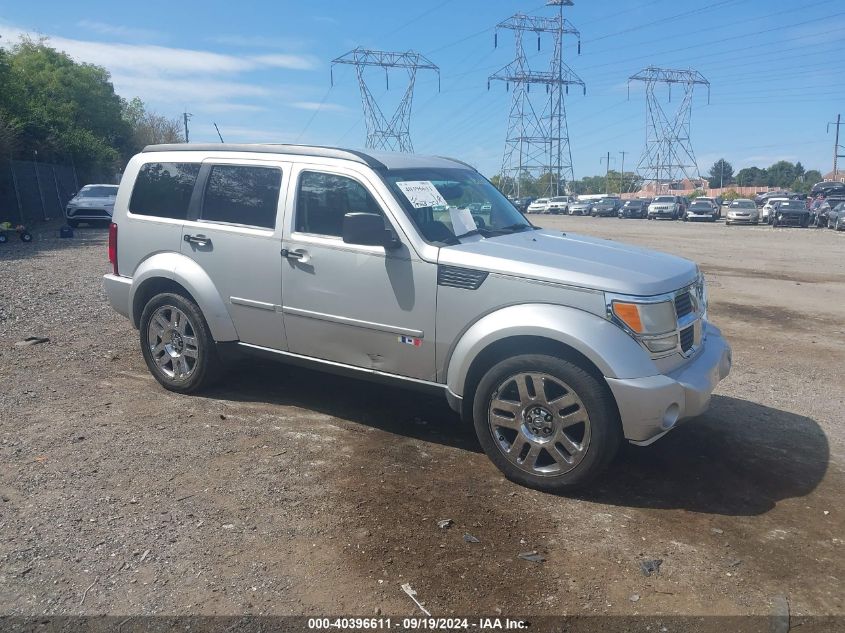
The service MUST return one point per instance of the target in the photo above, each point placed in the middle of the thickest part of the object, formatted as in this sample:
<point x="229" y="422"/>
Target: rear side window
<point x="240" y="194"/>
<point x="323" y="200"/>
<point x="163" y="190"/>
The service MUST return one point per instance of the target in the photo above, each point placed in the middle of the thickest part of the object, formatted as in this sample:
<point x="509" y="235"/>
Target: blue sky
<point x="260" y="69"/>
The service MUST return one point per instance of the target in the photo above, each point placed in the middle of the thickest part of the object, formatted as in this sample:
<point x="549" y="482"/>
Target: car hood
<point x="575" y="260"/>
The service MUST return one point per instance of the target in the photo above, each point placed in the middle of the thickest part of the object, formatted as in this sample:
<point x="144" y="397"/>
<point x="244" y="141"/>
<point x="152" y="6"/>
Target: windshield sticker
<point x="421" y="193"/>
<point x="462" y="221"/>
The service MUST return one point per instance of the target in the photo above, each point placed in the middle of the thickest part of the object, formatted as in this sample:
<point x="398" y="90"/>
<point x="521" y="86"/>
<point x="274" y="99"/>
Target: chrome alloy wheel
<point x="173" y="343"/>
<point x="539" y="423"/>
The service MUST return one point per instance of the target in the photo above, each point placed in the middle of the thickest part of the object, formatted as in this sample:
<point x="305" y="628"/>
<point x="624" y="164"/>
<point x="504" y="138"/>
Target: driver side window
<point x="323" y="199"/>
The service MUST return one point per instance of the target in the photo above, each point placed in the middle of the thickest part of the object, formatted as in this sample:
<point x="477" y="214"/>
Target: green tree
<point x="730" y="194"/>
<point x="751" y="177"/>
<point x="721" y="173"/>
<point x="811" y="177"/>
<point x="149" y="128"/>
<point x="62" y="109"/>
<point x="781" y="174"/>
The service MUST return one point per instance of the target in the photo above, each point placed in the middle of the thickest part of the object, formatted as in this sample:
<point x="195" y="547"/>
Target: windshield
<point x="743" y="204"/>
<point x="664" y="199"/>
<point x="700" y="205"/>
<point x="97" y="191"/>
<point x="791" y="204"/>
<point x="559" y="199"/>
<point x="448" y="204"/>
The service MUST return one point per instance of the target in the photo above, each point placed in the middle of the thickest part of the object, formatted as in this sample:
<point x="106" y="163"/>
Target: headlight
<point x="644" y="318"/>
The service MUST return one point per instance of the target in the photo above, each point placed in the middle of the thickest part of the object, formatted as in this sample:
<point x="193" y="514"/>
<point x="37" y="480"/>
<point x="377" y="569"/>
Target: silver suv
<point x="414" y="271"/>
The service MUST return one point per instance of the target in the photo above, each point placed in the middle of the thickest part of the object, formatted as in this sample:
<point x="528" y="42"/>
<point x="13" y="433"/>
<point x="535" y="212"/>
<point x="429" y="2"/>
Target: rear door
<point x="234" y="233"/>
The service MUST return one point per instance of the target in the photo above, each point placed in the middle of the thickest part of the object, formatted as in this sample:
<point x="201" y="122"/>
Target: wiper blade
<point x="519" y="226"/>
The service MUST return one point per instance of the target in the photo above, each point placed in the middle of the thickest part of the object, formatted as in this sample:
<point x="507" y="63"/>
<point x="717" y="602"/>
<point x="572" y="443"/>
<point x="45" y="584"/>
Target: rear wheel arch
<point x="149" y="288"/>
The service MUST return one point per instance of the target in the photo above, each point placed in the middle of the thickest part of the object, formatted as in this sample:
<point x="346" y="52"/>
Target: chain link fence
<point x="33" y="192"/>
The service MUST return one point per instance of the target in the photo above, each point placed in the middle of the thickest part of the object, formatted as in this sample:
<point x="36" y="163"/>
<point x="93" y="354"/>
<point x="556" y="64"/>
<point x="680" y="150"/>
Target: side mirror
<point x="367" y="229"/>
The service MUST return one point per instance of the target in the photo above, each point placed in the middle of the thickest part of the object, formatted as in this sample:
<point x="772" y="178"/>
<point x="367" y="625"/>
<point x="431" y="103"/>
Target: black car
<point x="634" y="208"/>
<point x="828" y="188"/>
<point x="790" y="213"/>
<point x="605" y="207"/>
<point x="522" y="203"/>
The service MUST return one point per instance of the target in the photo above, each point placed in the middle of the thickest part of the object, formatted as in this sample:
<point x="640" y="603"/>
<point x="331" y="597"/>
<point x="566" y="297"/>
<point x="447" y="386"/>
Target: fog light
<point x="662" y="344"/>
<point x="671" y="416"/>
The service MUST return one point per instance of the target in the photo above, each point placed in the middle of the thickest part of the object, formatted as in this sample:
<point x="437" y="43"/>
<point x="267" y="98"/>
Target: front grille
<point x="455" y="277"/>
<point x="88" y="212"/>
<point x="683" y="304"/>
<point x="687" y="338"/>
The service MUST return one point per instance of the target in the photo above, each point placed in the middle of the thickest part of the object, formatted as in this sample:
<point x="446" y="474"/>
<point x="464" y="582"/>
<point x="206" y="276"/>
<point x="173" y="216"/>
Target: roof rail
<point x="271" y="148"/>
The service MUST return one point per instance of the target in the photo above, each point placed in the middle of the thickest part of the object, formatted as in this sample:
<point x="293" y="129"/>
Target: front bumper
<point x="743" y="219"/>
<point x="650" y="407"/>
<point x="117" y="290"/>
<point x="662" y="213"/>
<point x="700" y="216"/>
<point x="88" y="213"/>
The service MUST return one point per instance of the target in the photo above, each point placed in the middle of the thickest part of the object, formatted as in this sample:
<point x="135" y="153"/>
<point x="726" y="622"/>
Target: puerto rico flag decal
<point x="410" y="340"/>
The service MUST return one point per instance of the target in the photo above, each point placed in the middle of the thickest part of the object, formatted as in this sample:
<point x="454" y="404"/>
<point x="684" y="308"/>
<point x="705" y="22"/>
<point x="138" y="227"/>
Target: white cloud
<point x="114" y="29"/>
<point x="181" y="90"/>
<point x="294" y="62"/>
<point x="147" y="59"/>
<point x="316" y="105"/>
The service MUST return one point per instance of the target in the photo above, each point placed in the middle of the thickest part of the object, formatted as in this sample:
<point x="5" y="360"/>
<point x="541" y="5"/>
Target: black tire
<point x="3" y="238"/>
<point x="26" y="236"/>
<point x="208" y="366"/>
<point x="605" y="426"/>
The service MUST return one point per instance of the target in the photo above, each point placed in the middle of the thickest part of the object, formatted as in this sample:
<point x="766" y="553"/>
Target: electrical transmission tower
<point x="668" y="154"/>
<point x="538" y="137"/>
<point x="382" y="133"/>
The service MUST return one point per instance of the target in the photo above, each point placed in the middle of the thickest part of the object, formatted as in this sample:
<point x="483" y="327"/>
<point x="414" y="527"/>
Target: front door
<point x="357" y="305"/>
<point x="234" y="234"/>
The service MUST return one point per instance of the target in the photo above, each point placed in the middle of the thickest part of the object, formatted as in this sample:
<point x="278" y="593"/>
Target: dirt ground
<point x="285" y="491"/>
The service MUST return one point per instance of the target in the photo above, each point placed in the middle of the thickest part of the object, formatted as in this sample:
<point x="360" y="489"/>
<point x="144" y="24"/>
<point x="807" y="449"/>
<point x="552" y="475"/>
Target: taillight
<point x="113" y="247"/>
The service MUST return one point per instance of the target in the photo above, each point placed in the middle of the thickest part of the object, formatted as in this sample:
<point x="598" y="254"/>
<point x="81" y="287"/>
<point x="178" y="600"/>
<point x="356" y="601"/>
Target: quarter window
<point x="323" y="199"/>
<point x="163" y="190"/>
<point x="240" y="194"/>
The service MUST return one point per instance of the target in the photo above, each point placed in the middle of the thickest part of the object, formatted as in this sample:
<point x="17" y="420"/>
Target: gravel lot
<point x="290" y="492"/>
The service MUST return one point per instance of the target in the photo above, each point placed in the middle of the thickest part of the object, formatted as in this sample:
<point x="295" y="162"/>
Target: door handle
<point x="301" y="256"/>
<point x="199" y="240"/>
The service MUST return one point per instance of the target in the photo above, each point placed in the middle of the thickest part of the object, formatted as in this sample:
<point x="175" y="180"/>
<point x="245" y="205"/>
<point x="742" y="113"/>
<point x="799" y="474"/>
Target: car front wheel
<point x="545" y="422"/>
<point x="177" y="344"/>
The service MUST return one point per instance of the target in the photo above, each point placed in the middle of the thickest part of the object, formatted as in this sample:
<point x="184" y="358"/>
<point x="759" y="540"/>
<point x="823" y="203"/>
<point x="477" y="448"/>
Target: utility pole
<point x="537" y="140"/>
<point x="382" y="133"/>
<point x="185" y="117"/>
<point x="836" y="147"/>
<point x="622" y="174"/>
<point x="606" y="173"/>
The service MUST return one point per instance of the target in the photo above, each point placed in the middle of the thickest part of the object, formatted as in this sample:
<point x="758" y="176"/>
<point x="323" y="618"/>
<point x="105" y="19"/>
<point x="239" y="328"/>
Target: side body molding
<point x="615" y="353"/>
<point x="189" y="274"/>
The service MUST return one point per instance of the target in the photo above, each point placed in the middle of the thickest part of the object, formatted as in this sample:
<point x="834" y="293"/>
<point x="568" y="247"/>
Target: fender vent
<point x="460" y="277"/>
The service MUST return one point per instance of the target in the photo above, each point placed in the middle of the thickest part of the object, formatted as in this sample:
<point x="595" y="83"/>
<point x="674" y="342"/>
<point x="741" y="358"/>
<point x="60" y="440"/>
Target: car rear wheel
<point x="545" y="422"/>
<point x="177" y="344"/>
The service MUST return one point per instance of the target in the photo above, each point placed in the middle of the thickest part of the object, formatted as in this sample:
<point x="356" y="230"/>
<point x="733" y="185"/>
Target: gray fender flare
<point x="186" y="272"/>
<point x="610" y="349"/>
